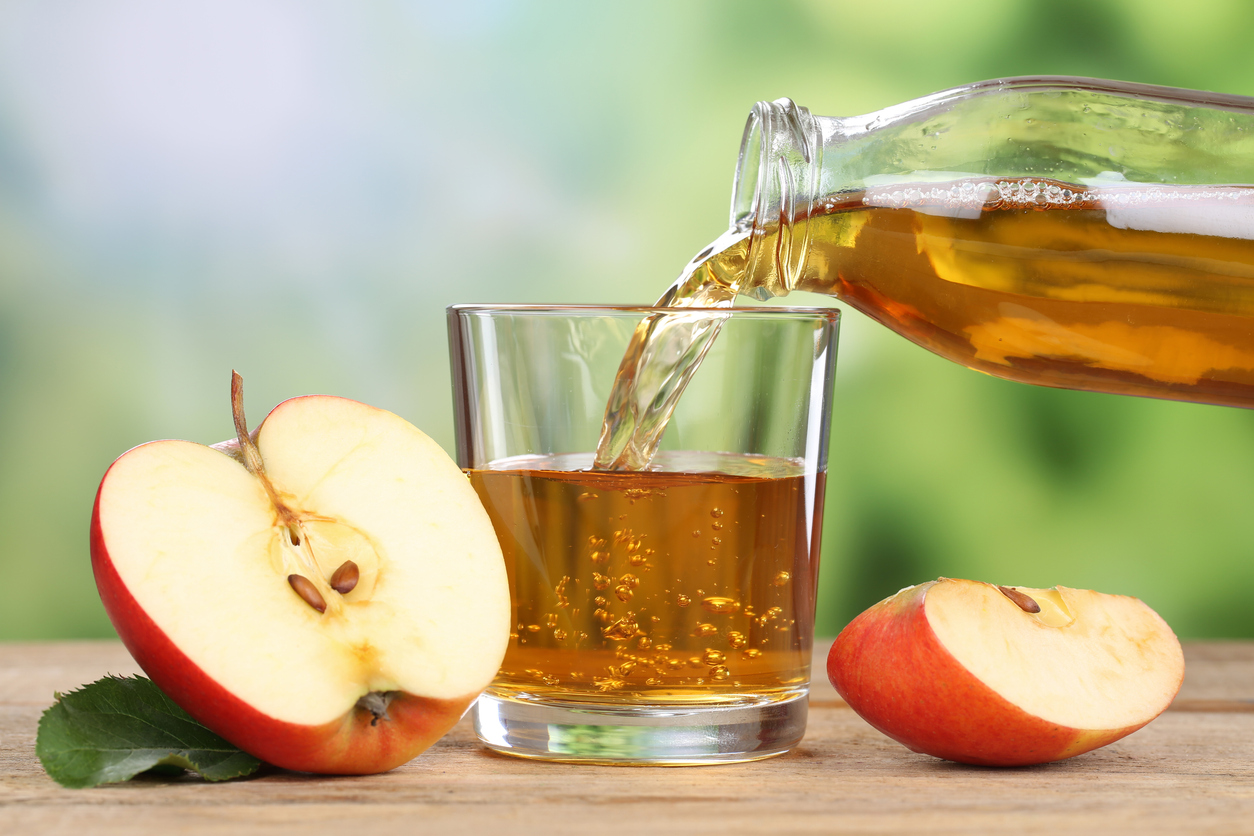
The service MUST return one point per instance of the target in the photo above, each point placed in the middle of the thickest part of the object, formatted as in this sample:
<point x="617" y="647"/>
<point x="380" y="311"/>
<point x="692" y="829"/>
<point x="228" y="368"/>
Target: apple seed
<point x="345" y="578"/>
<point x="1025" y="602"/>
<point x="308" y="592"/>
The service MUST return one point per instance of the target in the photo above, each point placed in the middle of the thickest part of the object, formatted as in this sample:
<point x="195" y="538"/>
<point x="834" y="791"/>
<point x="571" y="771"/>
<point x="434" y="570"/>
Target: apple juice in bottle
<point x="1072" y="233"/>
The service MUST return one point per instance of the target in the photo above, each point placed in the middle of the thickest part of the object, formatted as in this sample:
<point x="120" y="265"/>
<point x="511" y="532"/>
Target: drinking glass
<point x="662" y="615"/>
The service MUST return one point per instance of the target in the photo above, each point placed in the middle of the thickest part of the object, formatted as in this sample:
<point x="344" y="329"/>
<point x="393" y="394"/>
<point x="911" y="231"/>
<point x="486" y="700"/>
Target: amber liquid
<point x="1129" y="289"/>
<point x="688" y="585"/>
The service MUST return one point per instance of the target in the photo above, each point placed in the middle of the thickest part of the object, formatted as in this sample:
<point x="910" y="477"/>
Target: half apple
<point x="1006" y="676"/>
<point x="326" y="593"/>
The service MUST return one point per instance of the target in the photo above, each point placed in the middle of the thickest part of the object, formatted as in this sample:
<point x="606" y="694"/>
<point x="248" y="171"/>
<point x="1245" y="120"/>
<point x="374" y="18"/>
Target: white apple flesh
<point x="968" y="671"/>
<point x="194" y="556"/>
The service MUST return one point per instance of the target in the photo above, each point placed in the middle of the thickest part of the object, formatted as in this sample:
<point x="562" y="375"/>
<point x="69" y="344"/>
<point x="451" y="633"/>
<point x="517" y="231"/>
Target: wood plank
<point x="31" y="671"/>
<point x="1191" y="771"/>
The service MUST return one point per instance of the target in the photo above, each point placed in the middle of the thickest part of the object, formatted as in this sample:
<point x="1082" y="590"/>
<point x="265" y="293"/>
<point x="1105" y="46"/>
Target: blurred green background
<point x="298" y="189"/>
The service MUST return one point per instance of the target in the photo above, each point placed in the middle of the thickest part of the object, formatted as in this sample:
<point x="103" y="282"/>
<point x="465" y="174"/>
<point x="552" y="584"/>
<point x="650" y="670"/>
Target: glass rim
<point x="580" y="309"/>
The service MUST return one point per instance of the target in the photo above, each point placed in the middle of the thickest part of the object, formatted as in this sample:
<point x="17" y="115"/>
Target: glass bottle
<point x="1066" y="232"/>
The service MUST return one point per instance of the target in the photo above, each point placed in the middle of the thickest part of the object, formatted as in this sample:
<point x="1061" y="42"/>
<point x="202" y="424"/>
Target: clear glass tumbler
<point x="662" y="615"/>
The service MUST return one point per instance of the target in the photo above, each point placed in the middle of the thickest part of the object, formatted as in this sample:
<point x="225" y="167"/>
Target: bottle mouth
<point x="778" y="158"/>
<point x="748" y="168"/>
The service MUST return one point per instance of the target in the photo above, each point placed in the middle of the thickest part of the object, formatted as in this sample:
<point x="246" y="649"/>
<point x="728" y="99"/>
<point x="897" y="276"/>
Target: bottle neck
<point x="778" y="182"/>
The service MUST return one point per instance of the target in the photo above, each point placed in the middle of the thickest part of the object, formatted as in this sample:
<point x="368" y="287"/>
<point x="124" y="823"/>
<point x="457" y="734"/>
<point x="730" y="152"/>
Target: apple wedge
<point x="327" y="593"/>
<point x="1006" y="676"/>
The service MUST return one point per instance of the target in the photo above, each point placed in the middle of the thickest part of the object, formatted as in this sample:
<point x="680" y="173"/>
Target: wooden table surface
<point x="1191" y="771"/>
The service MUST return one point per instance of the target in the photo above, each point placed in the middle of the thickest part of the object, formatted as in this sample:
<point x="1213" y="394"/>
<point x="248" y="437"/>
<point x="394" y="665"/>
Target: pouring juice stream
<point x="1129" y="271"/>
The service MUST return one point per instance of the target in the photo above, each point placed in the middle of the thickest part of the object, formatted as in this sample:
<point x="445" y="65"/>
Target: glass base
<point x="673" y="735"/>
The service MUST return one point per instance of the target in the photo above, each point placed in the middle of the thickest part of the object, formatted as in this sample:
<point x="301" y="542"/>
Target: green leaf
<point x="118" y="727"/>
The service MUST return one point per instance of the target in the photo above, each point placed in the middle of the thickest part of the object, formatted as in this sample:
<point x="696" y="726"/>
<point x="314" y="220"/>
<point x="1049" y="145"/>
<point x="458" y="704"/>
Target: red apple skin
<point x="891" y="669"/>
<point x="347" y="746"/>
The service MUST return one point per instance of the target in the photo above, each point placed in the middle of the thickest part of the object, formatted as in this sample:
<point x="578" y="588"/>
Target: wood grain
<point x="1191" y="771"/>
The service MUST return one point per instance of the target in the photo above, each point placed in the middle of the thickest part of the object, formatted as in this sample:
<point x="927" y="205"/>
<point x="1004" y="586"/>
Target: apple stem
<point x="300" y="582"/>
<point x="252" y="455"/>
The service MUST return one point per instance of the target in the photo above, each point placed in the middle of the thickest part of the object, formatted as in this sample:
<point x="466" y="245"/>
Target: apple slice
<point x="327" y="594"/>
<point x="1006" y="676"/>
